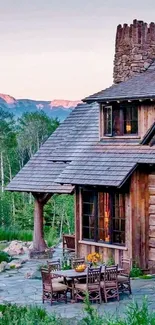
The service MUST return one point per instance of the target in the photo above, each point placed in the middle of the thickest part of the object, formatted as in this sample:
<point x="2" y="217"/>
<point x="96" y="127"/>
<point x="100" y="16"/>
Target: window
<point x="103" y="217"/>
<point x="120" y="120"/>
<point x="88" y="212"/>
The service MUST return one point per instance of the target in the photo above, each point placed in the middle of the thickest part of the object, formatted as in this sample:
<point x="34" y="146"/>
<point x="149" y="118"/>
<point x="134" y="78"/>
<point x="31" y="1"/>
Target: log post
<point x="38" y="237"/>
<point x="38" y="234"/>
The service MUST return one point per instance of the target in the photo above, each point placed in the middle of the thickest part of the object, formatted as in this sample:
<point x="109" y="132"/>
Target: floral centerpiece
<point x="94" y="258"/>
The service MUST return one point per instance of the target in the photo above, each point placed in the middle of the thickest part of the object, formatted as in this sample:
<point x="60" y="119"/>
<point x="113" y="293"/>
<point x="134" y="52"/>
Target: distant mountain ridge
<point x="55" y="108"/>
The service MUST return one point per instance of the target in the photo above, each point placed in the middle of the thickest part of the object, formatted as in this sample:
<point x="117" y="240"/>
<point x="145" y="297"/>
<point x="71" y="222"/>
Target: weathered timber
<point x="152" y="231"/>
<point x="140" y="220"/>
<point x="152" y="220"/>
<point x="39" y="244"/>
<point x="77" y="219"/>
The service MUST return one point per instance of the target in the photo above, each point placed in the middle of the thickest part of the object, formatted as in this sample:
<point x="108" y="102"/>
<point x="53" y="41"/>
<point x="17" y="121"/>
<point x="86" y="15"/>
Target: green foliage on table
<point x="110" y="261"/>
<point x="66" y="263"/>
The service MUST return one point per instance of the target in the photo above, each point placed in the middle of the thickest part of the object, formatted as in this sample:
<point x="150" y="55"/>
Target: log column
<point x="38" y="234"/>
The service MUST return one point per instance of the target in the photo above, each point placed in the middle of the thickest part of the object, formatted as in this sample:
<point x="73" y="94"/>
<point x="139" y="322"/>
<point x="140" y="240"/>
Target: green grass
<point x="13" y="315"/>
<point x="51" y="237"/>
<point x="146" y="276"/>
<point x="135" y="314"/>
<point x="26" y="235"/>
<point x="13" y="234"/>
<point x="3" y="245"/>
<point x="136" y="272"/>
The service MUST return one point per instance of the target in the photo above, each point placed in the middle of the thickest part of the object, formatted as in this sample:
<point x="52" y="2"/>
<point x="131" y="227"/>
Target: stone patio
<point x="16" y="288"/>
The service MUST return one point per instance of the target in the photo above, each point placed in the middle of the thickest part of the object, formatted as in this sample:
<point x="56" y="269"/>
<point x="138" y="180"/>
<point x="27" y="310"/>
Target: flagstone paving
<point x="16" y="288"/>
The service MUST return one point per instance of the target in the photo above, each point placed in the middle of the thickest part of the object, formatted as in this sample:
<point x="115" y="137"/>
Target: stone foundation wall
<point x="134" y="49"/>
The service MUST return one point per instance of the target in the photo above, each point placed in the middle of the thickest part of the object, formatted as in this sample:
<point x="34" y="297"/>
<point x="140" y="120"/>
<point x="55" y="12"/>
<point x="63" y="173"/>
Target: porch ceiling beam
<point x="42" y="197"/>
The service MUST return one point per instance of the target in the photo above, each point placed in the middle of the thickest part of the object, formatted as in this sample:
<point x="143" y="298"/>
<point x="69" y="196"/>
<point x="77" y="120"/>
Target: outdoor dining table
<point x="72" y="275"/>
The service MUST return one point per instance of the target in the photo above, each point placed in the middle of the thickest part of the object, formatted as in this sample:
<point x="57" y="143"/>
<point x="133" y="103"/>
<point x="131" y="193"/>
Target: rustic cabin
<point x="104" y="154"/>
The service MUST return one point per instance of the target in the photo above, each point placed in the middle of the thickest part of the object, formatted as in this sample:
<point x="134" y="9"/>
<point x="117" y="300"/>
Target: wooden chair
<point x="77" y="261"/>
<point x="109" y="285"/>
<point x="55" y="266"/>
<point x="92" y="286"/>
<point x="52" y="291"/>
<point x="68" y="243"/>
<point x="124" y="282"/>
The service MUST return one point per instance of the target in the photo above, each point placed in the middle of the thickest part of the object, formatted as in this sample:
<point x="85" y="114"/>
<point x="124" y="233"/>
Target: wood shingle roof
<point x="73" y="155"/>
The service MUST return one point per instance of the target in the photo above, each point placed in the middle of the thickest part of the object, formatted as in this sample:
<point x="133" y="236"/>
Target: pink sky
<point x="61" y="48"/>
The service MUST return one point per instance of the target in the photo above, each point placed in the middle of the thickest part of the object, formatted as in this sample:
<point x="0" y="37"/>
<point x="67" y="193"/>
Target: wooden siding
<point x="140" y="220"/>
<point x="146" y="117"/>
<point x="151" y="181"/>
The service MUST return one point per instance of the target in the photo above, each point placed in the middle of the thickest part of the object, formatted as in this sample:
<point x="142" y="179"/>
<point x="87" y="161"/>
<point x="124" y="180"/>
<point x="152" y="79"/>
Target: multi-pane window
<point x="103" y="217"/>
<point x="120" y="120"/>
<point x="118" y="227"/>
<point x="88" y="213"/>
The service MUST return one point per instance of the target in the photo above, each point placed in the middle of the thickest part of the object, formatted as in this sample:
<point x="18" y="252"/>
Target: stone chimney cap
<point x="135" y="23"/>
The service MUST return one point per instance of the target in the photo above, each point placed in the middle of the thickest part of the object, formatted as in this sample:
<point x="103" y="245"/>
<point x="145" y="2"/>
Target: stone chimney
<point x="134" y="49"/>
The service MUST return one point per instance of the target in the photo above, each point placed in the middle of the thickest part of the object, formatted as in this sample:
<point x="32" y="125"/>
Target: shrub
<point x="51" y="236"/>
<point x="134" y="315"/>
<point x="136" y="271"/>
<point x="11" y="314"/>
<point x="4" y="257"/>
<point x="13" y="234"/>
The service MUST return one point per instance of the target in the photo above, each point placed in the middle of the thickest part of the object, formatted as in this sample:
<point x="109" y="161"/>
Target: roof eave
<point x="128" y="175"/>
<point x="62" y="191"/>
<point x="114" y="99"/>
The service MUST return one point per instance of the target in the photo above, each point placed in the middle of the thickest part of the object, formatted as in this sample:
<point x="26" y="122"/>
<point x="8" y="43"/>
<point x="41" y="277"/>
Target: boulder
<point x="18" y="247"/>
<point x="3" y="266"/>
<point x="28" y="275"/>
<point x="15" y="264"/>
<point x="15" y="248"/>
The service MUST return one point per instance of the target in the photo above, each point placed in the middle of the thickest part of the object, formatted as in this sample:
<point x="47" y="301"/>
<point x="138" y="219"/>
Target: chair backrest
<point x="54" y="265"/>
<point x="46" y="278"/>
<point x="69" y="242"/>
<point x="94" y="276"/>
<point x="111" y="273"/>
<point x="126" y="265"/>
<point x="77" y="261"/>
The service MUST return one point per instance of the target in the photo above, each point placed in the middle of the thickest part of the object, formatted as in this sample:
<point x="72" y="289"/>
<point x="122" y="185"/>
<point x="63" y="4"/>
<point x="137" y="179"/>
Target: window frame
<point x="111" y="220"/>
<point x="123" y="120"/>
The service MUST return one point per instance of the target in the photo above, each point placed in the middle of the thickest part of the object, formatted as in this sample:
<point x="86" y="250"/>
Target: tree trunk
<point x="12" y="194"/>
<point x="38" y="237"/>
<point x="2" y="173"/>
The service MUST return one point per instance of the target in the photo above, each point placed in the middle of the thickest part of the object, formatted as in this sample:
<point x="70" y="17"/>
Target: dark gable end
<point x="149" y="137"/>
